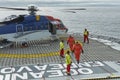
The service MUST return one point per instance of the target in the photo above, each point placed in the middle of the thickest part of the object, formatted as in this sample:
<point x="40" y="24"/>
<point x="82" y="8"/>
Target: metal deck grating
<point x="40" y="53"/>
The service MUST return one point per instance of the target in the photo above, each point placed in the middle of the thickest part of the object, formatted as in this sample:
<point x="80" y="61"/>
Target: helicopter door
<point x="19" y="29"/>
<point x="52" y="29"/>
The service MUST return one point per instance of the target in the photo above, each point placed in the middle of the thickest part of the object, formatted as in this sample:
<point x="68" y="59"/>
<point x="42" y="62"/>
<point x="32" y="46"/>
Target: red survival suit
<point x="71" y="42"/>
<point x="77" y="48"/>
<point x="86" y="34"/>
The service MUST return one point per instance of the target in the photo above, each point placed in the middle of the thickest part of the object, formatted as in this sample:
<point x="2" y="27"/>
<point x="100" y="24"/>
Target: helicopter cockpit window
<point x="10" y="18"/>
<point x="58" y="24"/>
<point x="55" y="23"/>
<point x="61" y="24"/>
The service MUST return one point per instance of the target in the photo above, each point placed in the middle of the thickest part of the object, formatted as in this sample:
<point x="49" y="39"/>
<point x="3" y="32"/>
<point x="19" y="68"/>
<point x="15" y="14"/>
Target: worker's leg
<point x="85" y="37"/>
<point x="71" y="46"/>
<point x="78" y="58"/>
<point x="62" y="52"/>
<point x="68" y="69"/>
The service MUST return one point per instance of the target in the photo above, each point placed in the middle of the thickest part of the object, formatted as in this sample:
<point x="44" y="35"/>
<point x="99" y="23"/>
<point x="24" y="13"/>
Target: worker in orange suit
<point x="71" y="42"/>
<point x="77" y="49"/>
<point x="86" y="34"/>
<point x="62" y="48"/>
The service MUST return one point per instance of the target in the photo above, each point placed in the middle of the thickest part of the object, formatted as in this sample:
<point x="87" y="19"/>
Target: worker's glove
<point x="72" y="51"/>
<point x="71" y="63"/>
<point x="82" y="51"/>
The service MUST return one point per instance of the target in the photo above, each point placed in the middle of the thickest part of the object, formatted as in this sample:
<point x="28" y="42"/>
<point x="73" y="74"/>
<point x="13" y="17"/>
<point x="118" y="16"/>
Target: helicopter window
<point x="36" y="28"/>
<point x="19" y="29"/>
<point x="45" y="24"/>
<point x="31" y="28"/>
<point x="56" y="24"/>
<point x="41" y="26"/>
<point x="37" y="25"/>
<point x="61" y="24"/>
<point x="25" y="28"/>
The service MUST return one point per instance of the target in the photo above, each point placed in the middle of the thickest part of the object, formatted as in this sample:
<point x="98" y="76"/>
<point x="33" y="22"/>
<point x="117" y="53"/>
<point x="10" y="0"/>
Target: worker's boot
<point x="68" y="73"/>
<point x="77" y="61"/>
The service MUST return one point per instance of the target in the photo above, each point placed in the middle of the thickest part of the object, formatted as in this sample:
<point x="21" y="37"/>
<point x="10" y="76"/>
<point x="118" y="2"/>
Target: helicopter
<point x="30" y="26"/>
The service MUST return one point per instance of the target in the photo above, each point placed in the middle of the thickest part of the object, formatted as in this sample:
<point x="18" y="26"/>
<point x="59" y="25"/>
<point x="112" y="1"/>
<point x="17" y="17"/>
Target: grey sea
<point x="102" y="22"/>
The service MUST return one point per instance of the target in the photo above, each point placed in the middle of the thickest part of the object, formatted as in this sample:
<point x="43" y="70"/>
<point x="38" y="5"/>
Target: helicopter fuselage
<point x="28" y="26"/>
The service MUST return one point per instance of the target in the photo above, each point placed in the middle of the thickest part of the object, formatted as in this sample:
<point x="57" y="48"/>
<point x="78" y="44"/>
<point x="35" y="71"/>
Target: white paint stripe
<point x="113" y="65"/>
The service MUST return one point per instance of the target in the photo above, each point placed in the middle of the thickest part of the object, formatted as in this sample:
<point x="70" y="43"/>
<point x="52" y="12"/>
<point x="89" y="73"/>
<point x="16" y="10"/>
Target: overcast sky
<point x="60" y="0"/>
<point x="56" y="2"/>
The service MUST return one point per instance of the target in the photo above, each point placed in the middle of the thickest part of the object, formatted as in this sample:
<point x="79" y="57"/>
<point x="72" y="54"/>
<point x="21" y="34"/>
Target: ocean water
<point x="103" y="23"/>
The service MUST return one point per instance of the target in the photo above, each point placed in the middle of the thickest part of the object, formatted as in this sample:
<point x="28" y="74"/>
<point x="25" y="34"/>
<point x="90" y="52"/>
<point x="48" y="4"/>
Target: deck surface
<point x="98" y="61"/>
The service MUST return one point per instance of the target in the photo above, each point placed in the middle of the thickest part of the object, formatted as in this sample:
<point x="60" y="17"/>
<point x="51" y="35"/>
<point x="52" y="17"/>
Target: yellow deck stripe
<point x="10" y="55"/>
<point x="35" y="55"/>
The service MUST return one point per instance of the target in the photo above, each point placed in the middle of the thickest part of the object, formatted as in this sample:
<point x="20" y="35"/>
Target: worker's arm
<point x="67" y="41"/>
<point x="87" y="33"/>
<point x="82" y="49"/>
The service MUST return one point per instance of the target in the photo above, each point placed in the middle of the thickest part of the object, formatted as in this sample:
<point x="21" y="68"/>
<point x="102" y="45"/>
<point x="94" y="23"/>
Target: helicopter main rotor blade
<point x="68" y="11"/>
<point x="75" y="9"/>
<point x="72" y="10"/>
<point x="13" y="8"/>
<point x="22" y="9"/>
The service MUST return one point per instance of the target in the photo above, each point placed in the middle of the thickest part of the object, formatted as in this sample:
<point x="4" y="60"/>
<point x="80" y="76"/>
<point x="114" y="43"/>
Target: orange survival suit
<point x="71" y="42"/>
<point x="77" y="48"/>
